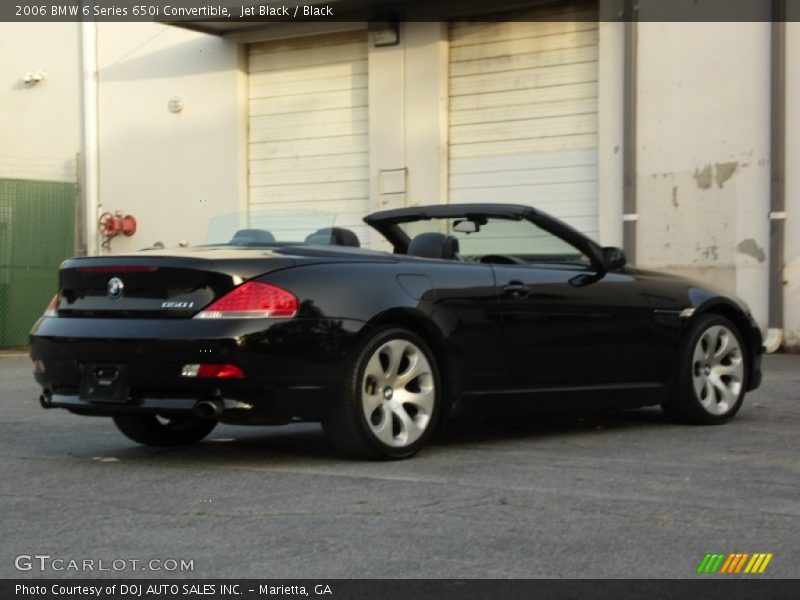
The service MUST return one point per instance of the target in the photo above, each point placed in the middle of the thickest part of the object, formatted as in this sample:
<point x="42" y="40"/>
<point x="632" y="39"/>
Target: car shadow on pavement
<point x="547" y="425"/>
<point x="245" y="445"/>
<point x="306" y="441"/>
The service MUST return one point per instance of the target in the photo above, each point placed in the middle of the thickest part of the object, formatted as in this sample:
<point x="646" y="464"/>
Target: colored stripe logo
<point x="734" y="563"/>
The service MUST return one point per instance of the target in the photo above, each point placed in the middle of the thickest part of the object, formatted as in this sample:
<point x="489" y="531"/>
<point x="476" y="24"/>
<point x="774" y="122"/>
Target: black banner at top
<point x="232" y="14"/>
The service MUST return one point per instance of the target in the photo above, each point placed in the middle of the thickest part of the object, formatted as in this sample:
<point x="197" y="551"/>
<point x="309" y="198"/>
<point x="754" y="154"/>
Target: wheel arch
<point x="738" y="317"/>
<point x="420" y="324"/>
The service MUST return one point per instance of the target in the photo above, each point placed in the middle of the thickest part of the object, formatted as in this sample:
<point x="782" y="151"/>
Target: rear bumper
<point x="290" y="365"/>
<point x="273" y="407"/>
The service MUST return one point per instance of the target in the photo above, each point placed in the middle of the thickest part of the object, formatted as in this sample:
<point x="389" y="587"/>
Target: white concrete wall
<point x="426" y="101"/>
<point x="703" y="179"/>
<point x="408" y="120"/>
<point x="703" y="136"/>
<point x="611" y="131"/>
<point x="791" y="297"/>
<point x="40" y="127"/>
<point x="172" y="171"/>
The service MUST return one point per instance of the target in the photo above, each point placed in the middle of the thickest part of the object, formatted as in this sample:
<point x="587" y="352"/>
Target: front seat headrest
<point x="244" y="237"/>
<point x="433" y="245"/>
<point x="334" y="236"/>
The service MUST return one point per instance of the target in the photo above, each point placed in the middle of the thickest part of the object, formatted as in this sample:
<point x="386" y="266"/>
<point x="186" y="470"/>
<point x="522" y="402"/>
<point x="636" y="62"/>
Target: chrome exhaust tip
<point x="209" y="409"/>
<point x="46" y="399"/>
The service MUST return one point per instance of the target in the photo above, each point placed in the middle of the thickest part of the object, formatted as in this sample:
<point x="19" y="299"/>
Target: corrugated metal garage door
<point x="523" y="112"/>
<point x="309" y="145"/>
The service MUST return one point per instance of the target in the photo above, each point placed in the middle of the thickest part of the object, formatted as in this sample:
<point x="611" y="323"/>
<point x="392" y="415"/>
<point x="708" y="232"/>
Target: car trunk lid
<point x="177" y="284"/>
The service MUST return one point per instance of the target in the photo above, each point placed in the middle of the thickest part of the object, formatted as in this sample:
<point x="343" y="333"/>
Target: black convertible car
<point x="479" y="308"/>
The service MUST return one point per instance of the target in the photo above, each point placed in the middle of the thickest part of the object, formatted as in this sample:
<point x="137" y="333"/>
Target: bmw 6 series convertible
<point x="472" y="309"/>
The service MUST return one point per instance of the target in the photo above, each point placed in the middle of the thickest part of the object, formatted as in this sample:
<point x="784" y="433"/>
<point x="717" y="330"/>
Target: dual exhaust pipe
<point x="204" y="409"/>
<point x="209" y="409"/>
<point x="46" y="399"/>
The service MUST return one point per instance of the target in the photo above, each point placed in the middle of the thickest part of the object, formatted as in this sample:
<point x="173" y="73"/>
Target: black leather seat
<point x="252" y="237"/>
<point x="334" y="236"/>
<point x="434" y="245"/>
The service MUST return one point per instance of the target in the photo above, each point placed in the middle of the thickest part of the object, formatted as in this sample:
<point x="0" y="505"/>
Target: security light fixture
<point x="384" y="32"/>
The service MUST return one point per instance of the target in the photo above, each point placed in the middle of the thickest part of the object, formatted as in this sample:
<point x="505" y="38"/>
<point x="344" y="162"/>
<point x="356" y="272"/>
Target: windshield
<point x="272" y="229"/>
<point x="519" y="239"/>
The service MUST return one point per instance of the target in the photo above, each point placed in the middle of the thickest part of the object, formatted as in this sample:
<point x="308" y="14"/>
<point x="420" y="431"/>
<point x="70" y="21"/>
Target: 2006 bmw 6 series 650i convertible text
<point x="479" y="308"/>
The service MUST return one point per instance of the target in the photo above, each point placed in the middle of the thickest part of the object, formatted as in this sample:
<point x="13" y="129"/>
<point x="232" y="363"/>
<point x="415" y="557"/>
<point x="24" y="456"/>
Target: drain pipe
<point x="629" y="205"/>
<point x="91" y="156"/>
<point x="777" y="215"/>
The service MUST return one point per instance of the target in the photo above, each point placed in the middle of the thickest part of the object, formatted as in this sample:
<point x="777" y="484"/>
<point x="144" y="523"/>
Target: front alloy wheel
<point x="718" y="370"/>
<point x="390" y="400"/>
<point x="712" y="373"/>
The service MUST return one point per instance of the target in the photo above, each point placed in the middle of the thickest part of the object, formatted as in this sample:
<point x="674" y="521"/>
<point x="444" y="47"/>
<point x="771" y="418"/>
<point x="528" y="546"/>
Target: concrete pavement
<point x="624" y="495"/>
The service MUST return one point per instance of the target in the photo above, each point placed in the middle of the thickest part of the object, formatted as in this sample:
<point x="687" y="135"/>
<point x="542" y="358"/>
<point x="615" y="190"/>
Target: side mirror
<point x="614" y="258"/>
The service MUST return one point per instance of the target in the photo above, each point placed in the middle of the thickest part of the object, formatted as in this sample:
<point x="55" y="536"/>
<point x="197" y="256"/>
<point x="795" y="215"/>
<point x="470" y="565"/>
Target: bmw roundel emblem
<point x="115" y="287"/>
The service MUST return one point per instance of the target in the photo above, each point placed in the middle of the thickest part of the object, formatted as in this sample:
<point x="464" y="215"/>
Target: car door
<point x="568" y="326"/>
<point x="565" y="321"/>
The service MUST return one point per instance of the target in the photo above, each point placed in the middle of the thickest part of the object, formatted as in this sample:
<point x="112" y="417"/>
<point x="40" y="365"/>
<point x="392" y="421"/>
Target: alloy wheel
<point x="717" y="370"/>
<point x="398" y="393"/>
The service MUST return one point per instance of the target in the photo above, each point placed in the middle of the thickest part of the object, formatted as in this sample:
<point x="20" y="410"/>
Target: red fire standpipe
<point x="111" y="225"/>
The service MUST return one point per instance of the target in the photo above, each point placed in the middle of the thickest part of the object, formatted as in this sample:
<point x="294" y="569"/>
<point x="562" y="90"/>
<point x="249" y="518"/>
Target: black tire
<point x="150" y="431"/>
<point x="345" y="422"/>
<point x="684" y="404"/>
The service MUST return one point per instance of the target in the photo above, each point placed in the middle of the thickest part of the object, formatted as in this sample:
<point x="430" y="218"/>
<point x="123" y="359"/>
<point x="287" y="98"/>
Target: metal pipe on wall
<point x="629" y="203"/>
<point x="777" y="214"/>
<point x="90" y="142"/>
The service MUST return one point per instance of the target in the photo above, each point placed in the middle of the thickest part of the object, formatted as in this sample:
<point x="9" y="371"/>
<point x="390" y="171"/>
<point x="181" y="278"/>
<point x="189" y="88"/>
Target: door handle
<point x="516" y="289"/>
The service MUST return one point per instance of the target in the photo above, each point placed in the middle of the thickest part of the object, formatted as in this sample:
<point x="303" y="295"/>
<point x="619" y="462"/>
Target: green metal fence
<point x="37" y="232"/>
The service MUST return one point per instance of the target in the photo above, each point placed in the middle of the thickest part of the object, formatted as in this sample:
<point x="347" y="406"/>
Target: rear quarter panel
<point x="453" y="305"/>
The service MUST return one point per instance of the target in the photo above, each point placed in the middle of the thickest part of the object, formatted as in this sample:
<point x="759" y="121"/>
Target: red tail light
<point x="212" y="371"/>
<point x="50" y="311"/>
<point x="252" y="300"/>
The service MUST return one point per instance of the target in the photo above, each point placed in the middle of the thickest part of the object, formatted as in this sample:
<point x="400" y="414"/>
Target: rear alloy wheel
<point x="152" y="430"/>
<point x="710" y="387"/>
<point x="390" y="402"/>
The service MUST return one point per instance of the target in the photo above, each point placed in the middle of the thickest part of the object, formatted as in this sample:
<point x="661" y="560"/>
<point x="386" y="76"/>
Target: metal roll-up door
<point x="523" y="112"/>
<point x="308" y="126"/>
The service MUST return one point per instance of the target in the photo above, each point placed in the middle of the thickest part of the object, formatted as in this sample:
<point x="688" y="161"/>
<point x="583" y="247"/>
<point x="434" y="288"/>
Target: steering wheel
<point x="501" y="259"/>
